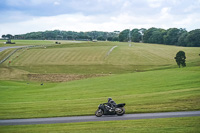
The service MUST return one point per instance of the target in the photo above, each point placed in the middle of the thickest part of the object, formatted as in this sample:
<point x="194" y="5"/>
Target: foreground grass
<point x="152" y="91"/>
<point x="164" y="125"/>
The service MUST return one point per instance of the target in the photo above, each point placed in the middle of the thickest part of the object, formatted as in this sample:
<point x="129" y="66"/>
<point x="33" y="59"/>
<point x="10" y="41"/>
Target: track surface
<point x="94" y="118"/>
<point x="4" y="48"/>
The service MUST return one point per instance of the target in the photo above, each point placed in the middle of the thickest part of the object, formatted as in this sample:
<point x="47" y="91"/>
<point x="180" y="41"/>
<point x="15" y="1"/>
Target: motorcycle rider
<point x="111" y="104"/>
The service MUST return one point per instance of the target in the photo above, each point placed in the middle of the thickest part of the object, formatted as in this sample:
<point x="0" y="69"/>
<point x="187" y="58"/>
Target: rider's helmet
<point x="109" y="99"/>
<point x="112" y="102"/>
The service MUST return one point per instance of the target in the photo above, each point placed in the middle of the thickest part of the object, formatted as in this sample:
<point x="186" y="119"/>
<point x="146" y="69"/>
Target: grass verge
<point x="164" y="125"/>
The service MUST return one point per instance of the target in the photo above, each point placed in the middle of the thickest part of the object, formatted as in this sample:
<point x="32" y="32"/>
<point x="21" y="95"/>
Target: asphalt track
<point x="94" y="118"/>
<point x="4" y="48"/>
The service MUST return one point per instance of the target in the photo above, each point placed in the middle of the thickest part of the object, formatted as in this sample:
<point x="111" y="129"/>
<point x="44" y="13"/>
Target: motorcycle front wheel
<point x="99" y="113"/>
<point x="120" y="112"/>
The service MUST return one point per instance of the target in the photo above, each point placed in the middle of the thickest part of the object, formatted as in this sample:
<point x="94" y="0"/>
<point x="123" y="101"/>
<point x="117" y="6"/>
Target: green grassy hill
<point x="152" y="91"/>
<point x="144" y="76"/>
<point x="91" y="58"/>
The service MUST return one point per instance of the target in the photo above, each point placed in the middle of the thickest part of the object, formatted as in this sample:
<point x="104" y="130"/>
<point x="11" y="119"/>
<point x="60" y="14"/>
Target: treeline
<point x="67" y="35"/>
<point x="172" y="36"/>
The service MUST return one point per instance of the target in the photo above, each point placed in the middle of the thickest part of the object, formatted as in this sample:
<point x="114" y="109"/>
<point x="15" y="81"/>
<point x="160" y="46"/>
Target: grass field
<point x="166" y="125"/>
<point x="144" y="76"/>
<point x="5" y="53"/>
<point x="152" y="91"/>
<point x="90" y="58"/>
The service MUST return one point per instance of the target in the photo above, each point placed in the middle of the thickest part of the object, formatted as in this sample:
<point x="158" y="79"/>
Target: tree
<point x="193" y="38"/>
<point x="100" y="38"/>
<point x="123" y="36"/>
<point x="9" y="36"/>
<point x="16" y="37"/>
<point x="136" y="35"/>
<point x="182" y="40"/>
<point x="172" y="36"/>
<point x="115" y="38"/>
<point x="157" y="36"/>
<point x="154" y="35"/>
<point x="147" y="35"/>
<point x="142" y="31"/>
<point x="110" y="38"/>
<point x="180" y="58"/>
<point x="3" y="36"/>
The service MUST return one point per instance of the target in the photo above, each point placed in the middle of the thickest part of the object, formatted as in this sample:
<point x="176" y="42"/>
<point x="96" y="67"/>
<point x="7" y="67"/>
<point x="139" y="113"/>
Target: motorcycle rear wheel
<point x="120" y="113"/>
<point x="99" y="113"/>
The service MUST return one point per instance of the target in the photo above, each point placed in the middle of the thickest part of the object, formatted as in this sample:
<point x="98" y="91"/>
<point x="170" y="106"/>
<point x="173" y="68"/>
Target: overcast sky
<point x="23" y="16"/>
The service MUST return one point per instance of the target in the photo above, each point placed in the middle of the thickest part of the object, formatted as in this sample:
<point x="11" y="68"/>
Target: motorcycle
<point x="105" y="109"/>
